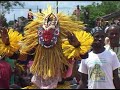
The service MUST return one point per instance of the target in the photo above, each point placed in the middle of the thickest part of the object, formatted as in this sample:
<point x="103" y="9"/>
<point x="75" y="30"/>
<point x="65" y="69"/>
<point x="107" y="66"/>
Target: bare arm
<point x="116" y="79"/>
<point x="75" y="71"/>
<point x="83" y="81"/>
<point x="72" y="39"/>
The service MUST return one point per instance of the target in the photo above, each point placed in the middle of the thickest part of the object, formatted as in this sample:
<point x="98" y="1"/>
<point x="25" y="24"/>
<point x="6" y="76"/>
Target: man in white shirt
<point x="113" y="38"/>
<point x="100" y="69"/>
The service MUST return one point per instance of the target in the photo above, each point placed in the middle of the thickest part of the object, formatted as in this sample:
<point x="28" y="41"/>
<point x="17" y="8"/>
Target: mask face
<point x="48" y="33"/>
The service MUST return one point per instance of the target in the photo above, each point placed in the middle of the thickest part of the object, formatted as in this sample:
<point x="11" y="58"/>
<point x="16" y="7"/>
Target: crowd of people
<point x="99" y="68"/>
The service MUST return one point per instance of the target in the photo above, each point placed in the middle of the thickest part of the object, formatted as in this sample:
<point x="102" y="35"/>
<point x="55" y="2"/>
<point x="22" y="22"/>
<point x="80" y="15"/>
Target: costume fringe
<point x="49" y="60"/>
<point x="14" y="38"/>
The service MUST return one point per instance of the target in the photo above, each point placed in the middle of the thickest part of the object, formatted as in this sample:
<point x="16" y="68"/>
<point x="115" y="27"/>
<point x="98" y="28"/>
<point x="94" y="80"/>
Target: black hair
<point x="113" y="26"/>
<point x="78" y="7"/>
<point x="40" y="10"/>
<point x="96" y="29"/>
<point x="30" y="10"/>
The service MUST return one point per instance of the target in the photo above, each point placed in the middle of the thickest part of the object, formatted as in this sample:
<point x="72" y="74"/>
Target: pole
<point x="1" y="15"/>
<point x="68" y="12"/>
<point x="57" y="6"/>
<point x="0" y="9"/>
<point x="14" y="17"/>
<point x="37" y="8"/>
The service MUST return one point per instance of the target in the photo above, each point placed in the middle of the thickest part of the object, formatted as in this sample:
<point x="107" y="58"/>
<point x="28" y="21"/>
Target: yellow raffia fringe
<point x="48" y="61"/>
<point x="66" y="85"/>
<point x="85" y="39"/>
<point x="31" y="87"/>
<point x="20" y="67"/>
<point x="14" y="37"/>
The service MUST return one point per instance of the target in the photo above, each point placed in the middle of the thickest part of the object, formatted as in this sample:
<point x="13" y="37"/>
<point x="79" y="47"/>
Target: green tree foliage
<point x="11" y="23"/>
<point x="100" y="9"/>
<point x="7" y="5"/>
<point x="3" y="21"/>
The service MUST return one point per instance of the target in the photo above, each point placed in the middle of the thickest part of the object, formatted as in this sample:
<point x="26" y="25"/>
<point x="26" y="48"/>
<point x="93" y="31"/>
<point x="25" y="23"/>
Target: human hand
<point x="4" y="35"/>
<point x="72" y="39"/>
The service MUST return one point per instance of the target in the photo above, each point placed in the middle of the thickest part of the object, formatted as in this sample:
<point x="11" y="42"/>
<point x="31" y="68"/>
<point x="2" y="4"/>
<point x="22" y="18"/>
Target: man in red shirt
<point x="5" y="74"/>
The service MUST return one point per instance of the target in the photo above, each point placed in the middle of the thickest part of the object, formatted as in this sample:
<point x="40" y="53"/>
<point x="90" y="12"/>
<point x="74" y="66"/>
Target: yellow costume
<point x="14" y="38"/>
<point x="47" y="35"/>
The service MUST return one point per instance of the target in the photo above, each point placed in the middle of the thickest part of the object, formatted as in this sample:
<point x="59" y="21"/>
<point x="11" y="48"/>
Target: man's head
<point x="77" y="6"/>
<point x="30" y="9"/>
<point x="40" y="10"/>
<point x="98" y="22"/>
<point x="113" y="33"/>
<point x="99" y="37"/>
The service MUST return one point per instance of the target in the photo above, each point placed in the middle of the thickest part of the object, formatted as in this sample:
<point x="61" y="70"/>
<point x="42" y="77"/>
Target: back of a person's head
<point x="15" y="20"/>
<point x="96" y="29"/>
<point x="112" y="27"/>
<point x="107" y="23"/>
<point x="30" y="10"/>
<point x="40" y="10"/>
<point x="77" y="6"/>
<point x="98" y="19"/>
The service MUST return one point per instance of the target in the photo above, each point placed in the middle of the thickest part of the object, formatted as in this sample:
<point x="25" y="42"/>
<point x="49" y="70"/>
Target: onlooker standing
<point x="113" y="34"/>
<point x="100" y="69"/>
<point x="106" y="25"/>
<point x="40" y="10"/>
<point x="16" y="25"/>
<point x="77" y="13"/>
<point x="12" y="64"/>
<point x="5" y="74"/>
<point x="86" y="16"/>
<point x="30" y="15"/>
<point x="22" y="23"/>
<point x="112" y="40"/>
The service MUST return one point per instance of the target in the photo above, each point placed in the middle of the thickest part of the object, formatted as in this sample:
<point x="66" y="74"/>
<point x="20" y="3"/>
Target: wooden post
<point x="37" y="9"/>
<point x="14" y="17"/>
<point x="57" y="6"/>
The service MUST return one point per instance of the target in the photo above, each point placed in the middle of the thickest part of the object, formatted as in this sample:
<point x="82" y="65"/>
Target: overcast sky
<point x="64" y="6"/>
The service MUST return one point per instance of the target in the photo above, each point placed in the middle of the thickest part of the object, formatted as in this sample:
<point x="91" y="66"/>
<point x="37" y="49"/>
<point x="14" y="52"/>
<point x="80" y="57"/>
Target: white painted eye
<point x="40" y="33"/>
<point x="56" y="32"/>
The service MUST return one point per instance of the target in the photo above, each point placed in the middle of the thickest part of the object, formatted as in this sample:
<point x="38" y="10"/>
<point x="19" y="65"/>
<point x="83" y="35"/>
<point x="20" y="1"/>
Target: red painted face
<point x="48" y="35"/>
<point x="48" y="38"/>
<point x="49" y="31"/>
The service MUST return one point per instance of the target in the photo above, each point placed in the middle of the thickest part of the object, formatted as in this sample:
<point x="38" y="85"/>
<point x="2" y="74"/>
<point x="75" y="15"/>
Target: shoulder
<point x="89" y="56"/>
<point x="90" y="53"/>
<point x="83" y="62"/>
<point x="107" y="46"/>
<point x="5" y="64"/>
<point x="110" y="52"/>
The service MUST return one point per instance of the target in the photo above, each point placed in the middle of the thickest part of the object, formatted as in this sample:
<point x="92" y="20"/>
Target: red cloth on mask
<point x="5" y="74"/>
